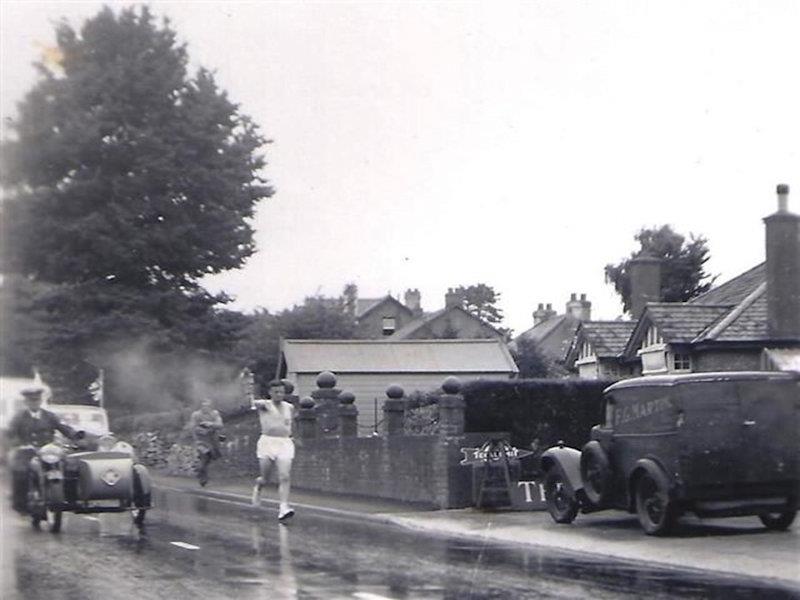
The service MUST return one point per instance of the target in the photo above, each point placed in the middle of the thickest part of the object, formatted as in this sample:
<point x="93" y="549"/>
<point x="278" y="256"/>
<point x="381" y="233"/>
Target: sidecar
<point x="101" y="481"/>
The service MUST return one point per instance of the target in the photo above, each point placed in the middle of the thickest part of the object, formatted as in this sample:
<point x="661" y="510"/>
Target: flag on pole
<point x="96" y="388"/>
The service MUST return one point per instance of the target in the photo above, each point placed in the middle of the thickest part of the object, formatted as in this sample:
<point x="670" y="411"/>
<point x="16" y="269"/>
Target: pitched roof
<point x="735" y="290"/>
<point x="746" y="322"/>
<point x="398" y="356"/>
<point x="553" y="336"/>
<point x="367" y="305"/>
<point x="679" y="322"/>
<point x="608" y="338"/>
<point x="414" y="326"/>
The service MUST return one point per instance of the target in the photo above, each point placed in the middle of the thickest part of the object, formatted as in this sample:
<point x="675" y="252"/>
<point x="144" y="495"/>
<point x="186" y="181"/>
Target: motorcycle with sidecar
<point x="102" y="480"/>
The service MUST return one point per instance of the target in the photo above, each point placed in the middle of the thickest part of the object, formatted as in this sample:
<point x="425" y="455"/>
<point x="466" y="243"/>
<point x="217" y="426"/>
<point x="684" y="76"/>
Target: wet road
<point x="197" y="547"/>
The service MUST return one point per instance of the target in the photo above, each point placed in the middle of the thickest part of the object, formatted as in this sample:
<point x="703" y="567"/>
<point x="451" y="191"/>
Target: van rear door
<point x="710" y="432"/>
<point x="770" y="429"/>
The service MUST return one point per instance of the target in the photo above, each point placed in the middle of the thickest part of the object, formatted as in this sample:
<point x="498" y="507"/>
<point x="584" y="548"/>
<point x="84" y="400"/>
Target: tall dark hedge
<point x="537" y="413"/>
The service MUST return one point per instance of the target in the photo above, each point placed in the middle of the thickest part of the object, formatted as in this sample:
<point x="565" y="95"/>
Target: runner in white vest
<point x="275" y="446"/>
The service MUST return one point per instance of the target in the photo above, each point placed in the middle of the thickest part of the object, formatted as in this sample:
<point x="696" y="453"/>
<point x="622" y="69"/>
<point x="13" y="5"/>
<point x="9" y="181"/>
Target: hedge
<point x="537" y="413"/>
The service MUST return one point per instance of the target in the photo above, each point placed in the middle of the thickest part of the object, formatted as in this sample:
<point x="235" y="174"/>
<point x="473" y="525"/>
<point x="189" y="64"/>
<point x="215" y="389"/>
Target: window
<point x="652" y="338"/>
<point x="681" y="362"/>
<point x="388" y="325"/>
<point x="586" y="351"/>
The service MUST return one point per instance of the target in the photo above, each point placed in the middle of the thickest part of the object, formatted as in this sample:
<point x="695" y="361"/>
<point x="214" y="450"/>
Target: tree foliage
<point x="318" y="317"/>
<point x="532" y="362"/>
<point x="481" y="300"/>
<point x="129" y="179"/>
<point x="683" y="274"/>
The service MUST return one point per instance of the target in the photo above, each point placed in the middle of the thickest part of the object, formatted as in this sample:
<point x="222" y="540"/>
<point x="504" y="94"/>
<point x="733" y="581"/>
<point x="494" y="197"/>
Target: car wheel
<point x="653" y="507"/>
<point x="779" y="521"/>
<point x="561" y="504"/>
<point x="595" y="472"/>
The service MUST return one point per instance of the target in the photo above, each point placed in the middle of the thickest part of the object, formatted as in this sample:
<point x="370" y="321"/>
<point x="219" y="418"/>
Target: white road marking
<point x="369" y="596"/>
<point x="185" y="546"/>
<point x="88" y="518"/>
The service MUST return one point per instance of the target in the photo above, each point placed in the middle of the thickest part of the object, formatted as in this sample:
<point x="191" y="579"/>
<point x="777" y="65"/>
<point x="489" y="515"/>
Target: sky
<point x="522" y="145"/>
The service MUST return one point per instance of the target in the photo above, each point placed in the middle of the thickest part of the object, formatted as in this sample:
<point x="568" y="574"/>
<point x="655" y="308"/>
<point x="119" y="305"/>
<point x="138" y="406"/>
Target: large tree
<point x="683" y="274"/>
<point x="129" y="179"/>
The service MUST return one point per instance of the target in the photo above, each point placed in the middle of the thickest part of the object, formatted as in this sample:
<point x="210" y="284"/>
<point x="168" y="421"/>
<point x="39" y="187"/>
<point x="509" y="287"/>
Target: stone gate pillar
<point x="451" y="408"/>
<point x="394" y="410"/>
<point x="348" y="415"/>
<point x="326" y="397"/>
<point x="306" y="419"/>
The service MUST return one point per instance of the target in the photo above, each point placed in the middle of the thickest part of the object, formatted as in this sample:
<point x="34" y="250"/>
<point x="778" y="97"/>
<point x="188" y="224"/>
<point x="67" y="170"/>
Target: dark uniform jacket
<point x="26" y="429"/>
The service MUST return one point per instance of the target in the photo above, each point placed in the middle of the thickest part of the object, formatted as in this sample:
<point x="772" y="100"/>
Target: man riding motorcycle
<point x="33" y="426"/>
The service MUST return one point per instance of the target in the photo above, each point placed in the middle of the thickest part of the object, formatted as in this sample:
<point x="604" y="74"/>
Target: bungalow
<point x="367" y="367"/>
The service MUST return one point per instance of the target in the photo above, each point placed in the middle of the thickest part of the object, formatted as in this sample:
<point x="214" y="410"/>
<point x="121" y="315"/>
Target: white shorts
<point x="275" y="448"/>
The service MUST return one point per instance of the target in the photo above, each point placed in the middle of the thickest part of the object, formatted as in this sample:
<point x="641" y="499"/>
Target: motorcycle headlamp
<point x="51" y="454"/>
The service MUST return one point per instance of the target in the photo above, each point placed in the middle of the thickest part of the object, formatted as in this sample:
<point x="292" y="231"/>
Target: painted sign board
<point x="496" y="481"/>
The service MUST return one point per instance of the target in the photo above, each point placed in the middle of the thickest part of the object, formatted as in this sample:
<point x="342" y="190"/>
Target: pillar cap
<point x="326" y="380"/>
<point x="395" y="391"/>
<point x="451" y="385"/>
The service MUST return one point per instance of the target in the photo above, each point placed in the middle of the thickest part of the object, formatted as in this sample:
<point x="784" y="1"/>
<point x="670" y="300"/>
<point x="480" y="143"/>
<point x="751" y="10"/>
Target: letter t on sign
<point x="527" y="485"/>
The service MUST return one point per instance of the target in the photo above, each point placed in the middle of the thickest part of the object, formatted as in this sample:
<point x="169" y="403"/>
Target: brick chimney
<point x="451" y="298"/>
<point x="645" y="277"/>
<point x="542" y="314"/>
<point x="580" y="308"/>
<point x="783" y="270"/>
<point x="413" y="301"/>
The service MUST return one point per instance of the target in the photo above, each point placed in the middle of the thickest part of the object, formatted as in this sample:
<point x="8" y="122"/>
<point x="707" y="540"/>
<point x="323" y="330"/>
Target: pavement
<point x="738" y="547"/>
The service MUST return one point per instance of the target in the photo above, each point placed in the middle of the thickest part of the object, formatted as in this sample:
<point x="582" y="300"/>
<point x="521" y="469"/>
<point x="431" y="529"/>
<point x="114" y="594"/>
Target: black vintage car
<point x="715" y="444"/>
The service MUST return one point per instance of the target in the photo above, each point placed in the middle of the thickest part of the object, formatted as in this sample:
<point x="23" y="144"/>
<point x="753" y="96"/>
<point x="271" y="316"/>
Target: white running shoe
<point x="285" y="513"/>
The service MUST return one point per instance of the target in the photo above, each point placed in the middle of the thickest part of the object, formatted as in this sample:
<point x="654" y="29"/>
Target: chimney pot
<point x="583" y="297"/>
<point x="573" y="296"/>
<point x="549" y="306"/>
<point x="783" y="197"/>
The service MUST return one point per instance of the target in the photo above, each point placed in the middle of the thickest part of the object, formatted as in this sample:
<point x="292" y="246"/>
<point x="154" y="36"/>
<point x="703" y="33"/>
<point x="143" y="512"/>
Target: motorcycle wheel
<point x="39" y="512"/>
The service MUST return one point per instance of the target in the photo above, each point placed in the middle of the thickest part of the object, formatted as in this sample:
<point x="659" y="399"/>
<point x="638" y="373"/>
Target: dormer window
<point x="389" y="325"/>
<point x="681" y="362"/>
<point x="586" y="351"/>
<point x="652" y="338"/>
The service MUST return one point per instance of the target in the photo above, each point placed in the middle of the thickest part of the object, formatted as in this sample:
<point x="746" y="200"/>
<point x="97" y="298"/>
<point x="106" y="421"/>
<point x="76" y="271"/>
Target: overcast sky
<point x="520" y="145"/>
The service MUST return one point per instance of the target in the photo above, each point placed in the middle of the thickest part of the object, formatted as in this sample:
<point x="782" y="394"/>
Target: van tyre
<point x="782" y="520"/>
<point x="561" y="504"/>
<point x="595" y="472"/>
<point x="656" y="512"/>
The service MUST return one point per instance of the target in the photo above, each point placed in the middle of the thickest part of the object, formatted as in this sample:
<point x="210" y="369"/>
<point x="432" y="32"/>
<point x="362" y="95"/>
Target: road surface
<point x="195" y="547"/>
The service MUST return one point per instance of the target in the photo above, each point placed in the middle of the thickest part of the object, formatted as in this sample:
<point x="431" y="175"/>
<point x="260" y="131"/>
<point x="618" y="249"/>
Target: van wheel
<point x="595" y="472"/>
<point x="780" y="521"/>
<point x="561" y="505"/>
<point x="653" y="507"/>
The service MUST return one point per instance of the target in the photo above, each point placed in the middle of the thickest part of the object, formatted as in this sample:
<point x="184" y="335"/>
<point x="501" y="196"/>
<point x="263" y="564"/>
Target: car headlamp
<point x="124" y="447"/>
<point x="51" y="453"/>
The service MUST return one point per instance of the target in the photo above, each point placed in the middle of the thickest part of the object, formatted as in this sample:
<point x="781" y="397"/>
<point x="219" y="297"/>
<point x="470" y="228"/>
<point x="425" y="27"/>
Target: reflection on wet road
<point x="204" y="548"/>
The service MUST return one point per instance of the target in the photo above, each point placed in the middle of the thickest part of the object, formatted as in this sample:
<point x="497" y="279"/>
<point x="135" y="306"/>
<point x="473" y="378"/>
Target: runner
<point x="275" y="445"/>
<point x="205" y="425"/>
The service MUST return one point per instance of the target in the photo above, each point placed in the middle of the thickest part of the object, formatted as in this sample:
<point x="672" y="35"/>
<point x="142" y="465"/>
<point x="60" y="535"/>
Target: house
<point x="367" y="367"/>
<point x="381" y="317"/>
<point x="388" y="317"/>
<point x="552" y="332"/>
<point x="751" y="322"/>
<point x="598" y="348"/>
